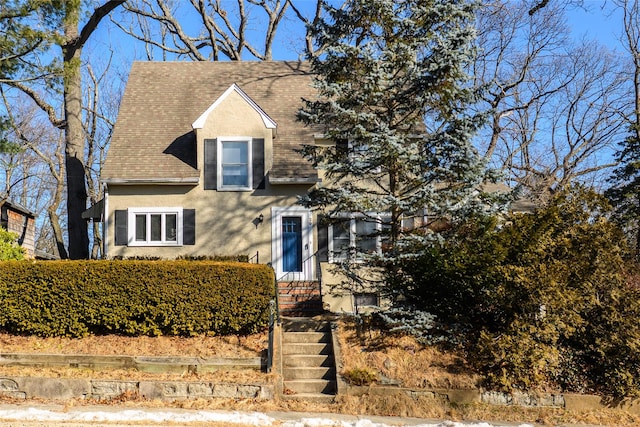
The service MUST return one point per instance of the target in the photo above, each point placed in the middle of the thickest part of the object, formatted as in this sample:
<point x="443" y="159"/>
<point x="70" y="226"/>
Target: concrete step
<point x="306" y="337"/>
<point x="303" y="324"/>
<point x="310" y="386"/>
<point x="308" y="361"/>
<point x="305" y="291"/>
<point x="309" y="373"/>
<point x="306" y="349"/>
<point x="310" y="397"/>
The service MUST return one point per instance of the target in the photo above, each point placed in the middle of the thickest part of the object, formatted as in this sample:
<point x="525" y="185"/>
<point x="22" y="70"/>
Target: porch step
<point x="309" y="371"/>
<point x="311" y="386"/>
<point x="305" y="348"/>
<point x="299" y="298"/>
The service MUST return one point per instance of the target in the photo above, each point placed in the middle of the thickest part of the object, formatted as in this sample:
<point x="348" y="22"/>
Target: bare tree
<point x="555" y="106"/>
<point x="99" y="119"/>
<point x="62" y="22"/>
<point x="224" y="28"/>
<point x="38" y="161"/>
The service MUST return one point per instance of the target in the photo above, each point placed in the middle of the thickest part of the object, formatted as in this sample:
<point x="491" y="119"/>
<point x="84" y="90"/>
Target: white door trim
<point x="277" y="213"/>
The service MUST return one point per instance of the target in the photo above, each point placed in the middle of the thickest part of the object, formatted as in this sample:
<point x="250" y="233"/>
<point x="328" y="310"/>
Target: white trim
<point x="308" y="271"/>
<point x="105" y="225"/>
<point x="219" y="180"/>
<point x="131" y="229"/>
<point x="269" y="123"/>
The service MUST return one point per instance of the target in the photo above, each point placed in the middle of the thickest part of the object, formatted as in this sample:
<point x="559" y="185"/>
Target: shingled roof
<point x="153" y="139"/>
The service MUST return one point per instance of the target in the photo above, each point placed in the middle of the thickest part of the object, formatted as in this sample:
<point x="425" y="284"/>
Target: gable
<point x="269" y="123"/>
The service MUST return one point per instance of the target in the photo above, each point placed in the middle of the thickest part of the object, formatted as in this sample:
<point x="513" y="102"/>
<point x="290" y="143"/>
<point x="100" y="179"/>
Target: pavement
<point x="30" y="415"/>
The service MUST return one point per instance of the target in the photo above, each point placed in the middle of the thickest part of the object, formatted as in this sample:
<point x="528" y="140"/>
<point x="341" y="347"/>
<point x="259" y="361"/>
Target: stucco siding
<point x="226" y="222"/>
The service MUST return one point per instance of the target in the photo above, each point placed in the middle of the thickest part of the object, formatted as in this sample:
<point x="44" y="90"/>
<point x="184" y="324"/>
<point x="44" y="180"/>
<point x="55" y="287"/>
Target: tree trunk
<point x="74" y="140"/>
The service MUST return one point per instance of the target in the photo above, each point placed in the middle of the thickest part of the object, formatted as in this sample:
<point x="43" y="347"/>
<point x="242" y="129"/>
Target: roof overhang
<point x="269" y="123"/>
<point x="293" y="180"/>
<point x="95" y="212"/>
<point x="152" y="181"/>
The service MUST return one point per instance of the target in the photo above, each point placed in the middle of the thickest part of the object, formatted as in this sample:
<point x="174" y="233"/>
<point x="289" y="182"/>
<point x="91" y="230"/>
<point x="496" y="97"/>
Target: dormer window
<point x="234" y="163"/>
<point x="235" y="166"/>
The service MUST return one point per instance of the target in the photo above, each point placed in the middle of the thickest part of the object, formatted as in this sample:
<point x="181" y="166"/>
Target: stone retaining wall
<point x="568" y="401"/>
<point x="141" y="363"/>
<point x="58" y="388"/>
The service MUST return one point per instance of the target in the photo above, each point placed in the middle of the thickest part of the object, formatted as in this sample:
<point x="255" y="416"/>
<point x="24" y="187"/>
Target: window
<point x="365" y="300"/>
<point x="354" y="235"/>
<point x="155" y="226"/>
<point x="234" y="167"/>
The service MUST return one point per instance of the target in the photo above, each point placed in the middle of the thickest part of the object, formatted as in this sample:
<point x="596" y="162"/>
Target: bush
<point x="76" y="298"/>
<point x="540" y="297"/>
<point x="9" y="249"/>
<point x="360" y="376"/>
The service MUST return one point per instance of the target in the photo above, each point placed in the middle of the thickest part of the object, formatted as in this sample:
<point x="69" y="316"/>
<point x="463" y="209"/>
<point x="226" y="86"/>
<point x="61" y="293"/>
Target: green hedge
<point x="186" y="298"/>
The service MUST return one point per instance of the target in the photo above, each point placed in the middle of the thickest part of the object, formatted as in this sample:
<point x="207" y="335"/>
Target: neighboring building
<point x="21" y="221"/>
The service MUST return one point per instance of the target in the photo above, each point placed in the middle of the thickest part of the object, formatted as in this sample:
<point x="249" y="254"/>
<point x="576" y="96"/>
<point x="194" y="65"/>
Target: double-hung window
<point x="351" y="236"/>
<point x="234" y="165"/>
<point x="155" y="226"/>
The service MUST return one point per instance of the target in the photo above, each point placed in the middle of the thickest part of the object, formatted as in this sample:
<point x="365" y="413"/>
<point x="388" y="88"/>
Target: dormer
<point x="236" y="135"/>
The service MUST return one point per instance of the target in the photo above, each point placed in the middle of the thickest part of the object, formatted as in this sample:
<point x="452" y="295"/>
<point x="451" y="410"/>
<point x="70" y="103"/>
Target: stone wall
<point x="58" y="388"/>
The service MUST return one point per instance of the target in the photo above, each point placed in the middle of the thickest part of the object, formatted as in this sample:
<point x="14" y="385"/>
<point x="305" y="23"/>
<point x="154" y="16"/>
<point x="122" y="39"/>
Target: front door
<point x="291" y="244"/>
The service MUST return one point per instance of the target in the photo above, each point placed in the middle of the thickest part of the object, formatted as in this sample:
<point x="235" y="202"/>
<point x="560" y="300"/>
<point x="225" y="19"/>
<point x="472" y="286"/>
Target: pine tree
<point x="625" y="192"/>
<point x="394" y="96"/>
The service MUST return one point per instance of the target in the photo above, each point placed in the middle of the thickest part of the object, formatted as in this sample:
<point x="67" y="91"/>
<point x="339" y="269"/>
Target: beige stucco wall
<point x="337" y="295"/>
<point x="225" y="220"/>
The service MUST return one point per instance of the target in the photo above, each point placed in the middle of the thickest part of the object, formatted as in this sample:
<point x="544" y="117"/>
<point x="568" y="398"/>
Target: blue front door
<point x="291" y="243"/>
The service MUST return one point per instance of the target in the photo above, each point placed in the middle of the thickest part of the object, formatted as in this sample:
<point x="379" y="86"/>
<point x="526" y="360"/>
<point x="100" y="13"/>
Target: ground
<point x="392" y="358"/>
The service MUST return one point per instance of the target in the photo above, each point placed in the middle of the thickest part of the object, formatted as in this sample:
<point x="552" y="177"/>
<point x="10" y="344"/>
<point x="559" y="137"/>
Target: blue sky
<point x="595" y="21"/>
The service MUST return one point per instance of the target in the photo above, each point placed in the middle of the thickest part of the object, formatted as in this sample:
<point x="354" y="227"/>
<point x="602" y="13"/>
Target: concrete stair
<point x="308" y="369"/>
<point x="299" y="298"/>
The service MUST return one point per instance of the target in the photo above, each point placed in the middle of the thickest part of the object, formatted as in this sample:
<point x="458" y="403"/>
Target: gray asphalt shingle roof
<point x="153" y="138"/>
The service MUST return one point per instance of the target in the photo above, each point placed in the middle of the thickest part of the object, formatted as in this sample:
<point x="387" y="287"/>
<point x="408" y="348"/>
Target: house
<point x="203" y="162"/>
<point x="21" y="221"/>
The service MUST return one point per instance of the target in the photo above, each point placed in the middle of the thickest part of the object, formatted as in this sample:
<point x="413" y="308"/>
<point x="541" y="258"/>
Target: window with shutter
<point x="171" y="226"/>
<point x="234" y="164"/>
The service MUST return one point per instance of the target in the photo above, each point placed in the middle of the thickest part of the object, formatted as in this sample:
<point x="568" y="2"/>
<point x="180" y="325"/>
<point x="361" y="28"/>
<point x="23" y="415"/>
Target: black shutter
<point x="257" y="153"/>
<point x="189" y="227"/>
<point x="120" y="227"/>
<point x="210" y="166"/>
<point x="323" y="239"/>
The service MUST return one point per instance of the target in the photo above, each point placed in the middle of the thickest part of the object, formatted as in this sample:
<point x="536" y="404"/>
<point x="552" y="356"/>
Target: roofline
<point x="152" y="181"/>
<point x="268" y="121"/>
<point x="17" y="207"/>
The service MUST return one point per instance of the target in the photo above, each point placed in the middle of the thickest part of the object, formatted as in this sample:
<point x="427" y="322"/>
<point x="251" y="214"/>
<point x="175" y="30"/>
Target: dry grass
<point x="111" y="345"/>
<point x="401" y="358"/>
<point x="201" y="346"/>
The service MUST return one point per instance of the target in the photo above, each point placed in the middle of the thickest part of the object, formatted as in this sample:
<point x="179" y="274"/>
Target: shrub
<point x="76" y="298"/>
<point x="360" y="376"/>
<point x="9" y="249"/>
<point x="539" y="296"/>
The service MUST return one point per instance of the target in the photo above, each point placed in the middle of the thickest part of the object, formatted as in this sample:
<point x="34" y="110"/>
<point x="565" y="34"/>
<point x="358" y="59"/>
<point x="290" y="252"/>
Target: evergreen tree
<point x="625" y="192"/>
<point x="393" y="95"/>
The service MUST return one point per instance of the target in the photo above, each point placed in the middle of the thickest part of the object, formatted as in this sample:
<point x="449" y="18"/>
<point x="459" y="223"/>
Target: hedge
<point x="185" y="298"/>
